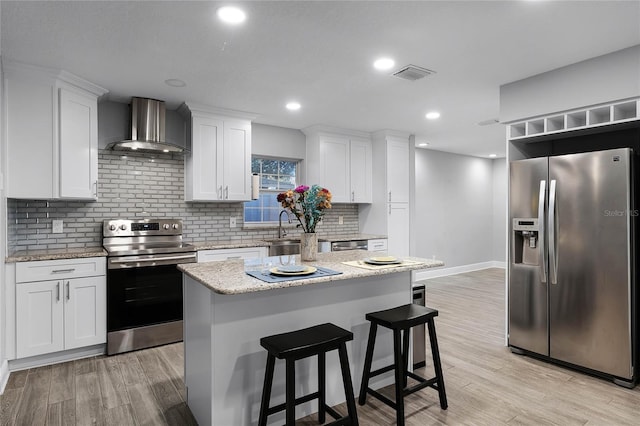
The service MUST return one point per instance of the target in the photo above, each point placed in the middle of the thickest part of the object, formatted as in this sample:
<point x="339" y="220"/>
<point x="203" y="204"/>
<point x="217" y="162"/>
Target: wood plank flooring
<point x="486" y="384"/>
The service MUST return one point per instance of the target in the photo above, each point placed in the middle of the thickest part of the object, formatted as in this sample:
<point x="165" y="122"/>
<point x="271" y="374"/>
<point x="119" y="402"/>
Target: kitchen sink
<point x="283" y="246"/>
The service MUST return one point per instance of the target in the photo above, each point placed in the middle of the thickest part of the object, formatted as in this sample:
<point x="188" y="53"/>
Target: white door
<point x="206" y="150"/>
<point x="85" y="313"/>
<point x="237" y="160"/>
<point x="398" y="229"/>
<point x="39" y="317"/>
<point x="361" y="171"/>
<point x="78" y="145"/>
<point x="334" y="167"/>
<point x="398" y="171"/>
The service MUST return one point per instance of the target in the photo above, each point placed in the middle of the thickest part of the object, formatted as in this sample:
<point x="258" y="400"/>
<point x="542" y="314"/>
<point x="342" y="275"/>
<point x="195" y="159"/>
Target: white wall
<point x="598" y="80"/>
<point x="454" y="208"/>
<point x="499" y="209"/>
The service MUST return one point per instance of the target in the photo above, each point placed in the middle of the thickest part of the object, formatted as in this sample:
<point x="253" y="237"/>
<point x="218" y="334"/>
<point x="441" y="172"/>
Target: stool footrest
<point x="420" y="386"/>
<point x="382" y="398"/>
<point x="298" y="401"/>
<point x="381" y="370"/>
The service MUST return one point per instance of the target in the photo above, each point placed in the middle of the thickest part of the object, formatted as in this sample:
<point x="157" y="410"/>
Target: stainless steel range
<point x="144" y="287"/>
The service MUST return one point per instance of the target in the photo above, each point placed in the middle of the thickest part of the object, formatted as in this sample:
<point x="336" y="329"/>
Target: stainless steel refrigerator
<point x="571" y="260"/>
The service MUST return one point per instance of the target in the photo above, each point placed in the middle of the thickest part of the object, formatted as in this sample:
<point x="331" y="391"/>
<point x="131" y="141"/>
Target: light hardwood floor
<point x="486" y="384"/>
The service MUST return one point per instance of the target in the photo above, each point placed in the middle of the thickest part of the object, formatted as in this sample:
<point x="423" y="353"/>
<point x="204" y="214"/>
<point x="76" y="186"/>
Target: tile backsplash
<point x="137" y="186"/>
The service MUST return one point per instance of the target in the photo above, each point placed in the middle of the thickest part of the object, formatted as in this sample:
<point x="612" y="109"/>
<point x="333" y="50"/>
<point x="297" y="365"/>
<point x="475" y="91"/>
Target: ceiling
<point x="321" y="54"/>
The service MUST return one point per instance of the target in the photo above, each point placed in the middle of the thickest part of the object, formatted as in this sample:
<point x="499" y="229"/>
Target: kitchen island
<point x="227" y="311"/>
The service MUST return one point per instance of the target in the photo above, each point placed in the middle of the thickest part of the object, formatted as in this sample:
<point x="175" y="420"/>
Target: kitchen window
<point x="276" y="175"/>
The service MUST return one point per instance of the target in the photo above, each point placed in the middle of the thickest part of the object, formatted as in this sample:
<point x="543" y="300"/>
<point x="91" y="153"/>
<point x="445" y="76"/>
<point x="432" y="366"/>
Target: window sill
<point x="267" y="225"/>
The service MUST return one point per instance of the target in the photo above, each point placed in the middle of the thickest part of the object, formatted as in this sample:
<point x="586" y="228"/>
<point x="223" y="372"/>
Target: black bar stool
<point x="400" y="320"/>
<point x="295" y="345"/>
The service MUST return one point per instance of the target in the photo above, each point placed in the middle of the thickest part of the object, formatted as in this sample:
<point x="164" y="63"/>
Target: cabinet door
<point x="29" y="108"/>
<point x="78" y="145"/>
<point x="398" y="229"/>
<point x="85" y="312"/>
<point x="361" y="174"/>
<point x="398" y="171"/>
<point x="334" y="167"/>
<point x="205" y="175"/>
<point x="237" y="160"/>
<point x="227" y="254"/>
<point x="39" y="318"/>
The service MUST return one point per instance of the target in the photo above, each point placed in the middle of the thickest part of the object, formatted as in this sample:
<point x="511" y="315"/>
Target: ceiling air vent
<point x="412" y="73"/>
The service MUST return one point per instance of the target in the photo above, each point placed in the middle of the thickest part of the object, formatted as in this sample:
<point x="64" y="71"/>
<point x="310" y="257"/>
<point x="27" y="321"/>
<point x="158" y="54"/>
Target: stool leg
<point x="348" y="387"/>
<point x="290" y="390"/>
<point x="266" y="390"/>
<point x="435" y="353"/>
<point x="405" y="355"/>
<point x="367" y="364"/>
<point x="321" y="387"/>
<point x="399" y="367"/>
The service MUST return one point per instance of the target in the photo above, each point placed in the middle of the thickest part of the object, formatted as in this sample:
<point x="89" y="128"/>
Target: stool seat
<point x="303" y="343"/>
<point x="306" y="342"/>
<point x="402" y="317"/>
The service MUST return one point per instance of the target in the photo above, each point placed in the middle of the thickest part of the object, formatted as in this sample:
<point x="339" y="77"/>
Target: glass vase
<point x="308" y="246"/>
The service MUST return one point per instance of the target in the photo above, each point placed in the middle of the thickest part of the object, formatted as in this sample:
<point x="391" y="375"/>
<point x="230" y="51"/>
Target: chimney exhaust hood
<point x="147" y="129"/>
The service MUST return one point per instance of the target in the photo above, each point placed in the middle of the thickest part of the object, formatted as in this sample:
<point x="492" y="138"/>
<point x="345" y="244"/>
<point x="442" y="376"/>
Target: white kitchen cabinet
<point x="64" y="313"/>
<point x="379" y="244"/>
<point x="51" y="133"/>
<point x="341" y="161"/>
<point x="218" y="166"/>
<point x="217" y="255"/>
<point x="389" y="213"/>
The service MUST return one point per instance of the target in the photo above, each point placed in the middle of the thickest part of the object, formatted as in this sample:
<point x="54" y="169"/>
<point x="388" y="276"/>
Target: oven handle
<point x="156" y="259"/>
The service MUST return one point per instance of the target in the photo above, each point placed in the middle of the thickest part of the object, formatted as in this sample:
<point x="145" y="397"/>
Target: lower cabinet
<point x="60" y="314"/>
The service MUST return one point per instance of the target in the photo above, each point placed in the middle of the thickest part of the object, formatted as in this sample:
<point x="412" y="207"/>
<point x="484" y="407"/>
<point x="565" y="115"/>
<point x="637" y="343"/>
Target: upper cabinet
<point x="51" y="134"/>
<point x="340" y="160"/>
<point x="397" y="167"/>
<point x="218" y="166"/>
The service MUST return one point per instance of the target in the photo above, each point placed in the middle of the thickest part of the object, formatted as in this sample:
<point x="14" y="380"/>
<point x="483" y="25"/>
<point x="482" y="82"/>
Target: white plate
<point x="307" y="271"/>
<point x="292" y="268"/>
<point x="371" y="261"/>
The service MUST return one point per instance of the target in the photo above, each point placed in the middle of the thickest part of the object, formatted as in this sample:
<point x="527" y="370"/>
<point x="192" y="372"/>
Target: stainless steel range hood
<point x="147" y="129"/>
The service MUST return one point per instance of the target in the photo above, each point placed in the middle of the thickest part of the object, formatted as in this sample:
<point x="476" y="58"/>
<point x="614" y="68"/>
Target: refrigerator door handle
<point x="541" y="231"/>
<point x="553" y="254"/>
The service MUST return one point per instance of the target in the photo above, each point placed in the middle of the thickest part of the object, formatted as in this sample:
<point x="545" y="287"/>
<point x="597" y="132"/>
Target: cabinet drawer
<point x="227" y="254"/>
<point x="60" y="269"/>
<point x="377" y="245"/>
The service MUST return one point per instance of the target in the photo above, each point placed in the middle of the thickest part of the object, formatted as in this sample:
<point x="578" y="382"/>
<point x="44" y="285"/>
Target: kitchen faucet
<point x="282" y="232"/>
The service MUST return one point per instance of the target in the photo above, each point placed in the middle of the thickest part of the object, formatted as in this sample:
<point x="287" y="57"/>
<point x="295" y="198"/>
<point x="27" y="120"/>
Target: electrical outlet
<point x="57" y="226"/>
<point x="232" y="222"/>
<point x="340" y="220"/>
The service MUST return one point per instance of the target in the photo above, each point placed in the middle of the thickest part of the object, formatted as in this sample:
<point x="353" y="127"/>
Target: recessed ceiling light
<point x="293" y="106"/>
<point x="423" y="144"/>
<point x="432" y="115"/>
<point x="174" y="82"/>
<point x="165" y="150"/>
<point x="492" y="155"/>
<point x="384" y="64"/>
<point x="231" y="15"/>
<point x="133" y="148"/>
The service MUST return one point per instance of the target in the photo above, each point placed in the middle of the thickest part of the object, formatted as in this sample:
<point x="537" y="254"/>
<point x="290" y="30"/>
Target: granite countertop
<point x="229" y="277"/>
<point x="218" y="245"/>
<point x="55" y="254"/>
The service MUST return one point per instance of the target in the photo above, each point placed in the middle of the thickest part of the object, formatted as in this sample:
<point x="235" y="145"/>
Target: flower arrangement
<point x="307" y="204"/>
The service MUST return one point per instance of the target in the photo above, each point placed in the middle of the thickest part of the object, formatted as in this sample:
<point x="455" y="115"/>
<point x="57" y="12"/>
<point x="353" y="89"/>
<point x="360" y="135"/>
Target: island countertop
<point x="229" y="277"/>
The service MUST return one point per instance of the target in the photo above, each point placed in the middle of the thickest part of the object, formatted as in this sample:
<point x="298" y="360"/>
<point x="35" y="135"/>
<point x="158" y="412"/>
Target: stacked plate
<point x="382" y="260"/>
<point x="292" y="270"/>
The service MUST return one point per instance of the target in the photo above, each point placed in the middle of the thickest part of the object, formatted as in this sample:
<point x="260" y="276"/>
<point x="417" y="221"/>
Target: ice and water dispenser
<point x="526" y="241"/>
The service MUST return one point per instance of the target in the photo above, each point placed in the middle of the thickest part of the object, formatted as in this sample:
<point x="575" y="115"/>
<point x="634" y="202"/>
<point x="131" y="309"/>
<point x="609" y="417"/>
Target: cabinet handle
<point x="389" y="208"/>
<point x="60" y="271"/>
<point x="58" y="292"/>
<point x="95" y="189"/>
<point x="226" y="192"/>
<point x="233" y="257"/>
<point x="353" y="195"/>
<point x="68" y="293"/>
<point x="220" y="193"/>
<point x="389" y="196"/>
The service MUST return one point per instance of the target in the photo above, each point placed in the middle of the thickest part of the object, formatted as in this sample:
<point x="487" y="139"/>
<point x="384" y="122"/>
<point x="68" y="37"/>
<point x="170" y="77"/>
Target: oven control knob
<point x="123" y="227"/>
<point x="112" y="227"/>
<point x="165" y="226"/>
<point x="175" y="226"/>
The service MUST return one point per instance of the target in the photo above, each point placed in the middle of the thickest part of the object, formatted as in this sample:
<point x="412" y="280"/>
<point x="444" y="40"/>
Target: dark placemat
<point x="270" y="278"/>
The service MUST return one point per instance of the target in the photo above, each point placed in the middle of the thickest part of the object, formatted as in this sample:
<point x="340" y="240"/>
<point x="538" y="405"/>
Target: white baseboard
<point x="56" y="357"/>
<point x="443" y="272"/>
<point x="4" y="375"/>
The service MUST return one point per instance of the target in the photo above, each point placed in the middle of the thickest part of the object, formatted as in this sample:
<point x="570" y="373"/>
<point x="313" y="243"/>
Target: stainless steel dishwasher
<point x="419" y="336"/>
